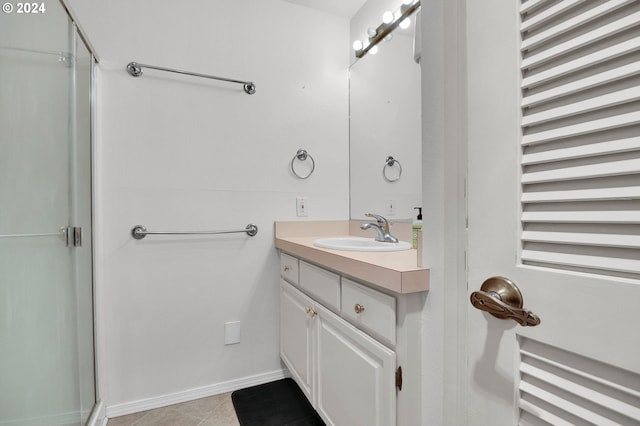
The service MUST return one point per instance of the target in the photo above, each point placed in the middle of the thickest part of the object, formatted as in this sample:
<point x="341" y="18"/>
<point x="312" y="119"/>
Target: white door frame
<point x="444" y="169"/>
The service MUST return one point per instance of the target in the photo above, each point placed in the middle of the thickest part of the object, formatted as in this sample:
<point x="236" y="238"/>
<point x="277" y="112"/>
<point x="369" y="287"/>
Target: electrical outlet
<point x="301" y="207"/>
<point x="390" y="208"/>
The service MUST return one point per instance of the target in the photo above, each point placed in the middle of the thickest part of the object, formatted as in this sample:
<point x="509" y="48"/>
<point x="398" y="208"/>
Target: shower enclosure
<point x="46" y="280"/>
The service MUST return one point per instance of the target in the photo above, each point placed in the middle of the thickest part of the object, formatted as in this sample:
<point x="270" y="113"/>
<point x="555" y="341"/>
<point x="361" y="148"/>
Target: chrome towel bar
<point x="135" y="70"/>
<point x="139" y="232"/>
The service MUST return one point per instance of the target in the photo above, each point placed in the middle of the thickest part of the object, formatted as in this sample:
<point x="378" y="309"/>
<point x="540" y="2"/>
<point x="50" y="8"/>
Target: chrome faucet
<point x="381" y="226"/>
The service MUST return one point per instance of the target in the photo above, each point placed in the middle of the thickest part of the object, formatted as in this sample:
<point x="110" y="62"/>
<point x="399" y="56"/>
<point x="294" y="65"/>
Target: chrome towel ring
<point x="390" y="163"/>
<point x="302" y="155"/>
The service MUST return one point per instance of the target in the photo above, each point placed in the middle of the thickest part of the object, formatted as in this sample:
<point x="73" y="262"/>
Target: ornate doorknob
<point x="502" y="298"/>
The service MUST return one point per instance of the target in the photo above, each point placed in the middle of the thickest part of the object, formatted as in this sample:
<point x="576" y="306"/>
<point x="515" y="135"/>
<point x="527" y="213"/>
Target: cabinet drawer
<point x="369" y="309"/>
<point x="322" y="284"/>
<point x="289" y="268"/>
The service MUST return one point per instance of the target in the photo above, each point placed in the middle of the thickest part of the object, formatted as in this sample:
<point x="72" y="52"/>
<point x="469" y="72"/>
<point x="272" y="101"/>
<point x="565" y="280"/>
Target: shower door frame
<point x="77" y="174"/>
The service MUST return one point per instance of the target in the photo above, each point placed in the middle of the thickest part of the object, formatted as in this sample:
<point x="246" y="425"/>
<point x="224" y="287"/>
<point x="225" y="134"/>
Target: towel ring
<point x="389" y="163"/>
<point x="302" y="155"/>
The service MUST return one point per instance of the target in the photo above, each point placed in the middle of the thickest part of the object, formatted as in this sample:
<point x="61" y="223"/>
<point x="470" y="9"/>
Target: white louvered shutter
<point x="581" y="135"/>
<point x="563" y="388"/>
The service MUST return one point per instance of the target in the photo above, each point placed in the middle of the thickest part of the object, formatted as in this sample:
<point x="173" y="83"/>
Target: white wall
<point x="444" y="234"/>
<point x="181" y="153"/>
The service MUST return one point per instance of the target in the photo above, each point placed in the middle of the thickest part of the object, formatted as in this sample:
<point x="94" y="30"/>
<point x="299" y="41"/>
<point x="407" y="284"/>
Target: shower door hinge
<point x="74" y="236"/>
<point x="66" y="59"/>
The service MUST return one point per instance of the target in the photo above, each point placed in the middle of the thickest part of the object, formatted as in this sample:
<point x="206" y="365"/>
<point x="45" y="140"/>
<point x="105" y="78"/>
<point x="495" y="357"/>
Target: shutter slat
<point x="612" y="168"/>
<point x="574" y="409"/>
<point x="599" y="33"/>
<point x="561" y="386"/>
<point x="586" y="83"/>
<point x="546" y="359"/>
<point x="530" y="5"/>
<point x="603" y="55"/>
<point x="543" y="17"/>
<point x="583" y="239"/>
<point x="583" y="151"/>
<point x="582" y="261"/>
<point x="564" y="27"/>
<point x="583" y="392"/>
<point x="542" y="414"/>
<point x="596" y="103"/>
<point x="620" y="217"/>
<point x="598" y="194"/>
<point x="593" y="126"/>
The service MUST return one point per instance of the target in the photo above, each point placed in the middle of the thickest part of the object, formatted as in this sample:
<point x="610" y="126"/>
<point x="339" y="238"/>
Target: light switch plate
<point x="301" y="206"/>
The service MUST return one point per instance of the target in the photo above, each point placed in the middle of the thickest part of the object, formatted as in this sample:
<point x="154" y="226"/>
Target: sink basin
<point x="360" y="244"/>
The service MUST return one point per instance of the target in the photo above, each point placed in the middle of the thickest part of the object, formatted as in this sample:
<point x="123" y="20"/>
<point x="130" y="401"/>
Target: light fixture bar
<point x="385" y="29"/>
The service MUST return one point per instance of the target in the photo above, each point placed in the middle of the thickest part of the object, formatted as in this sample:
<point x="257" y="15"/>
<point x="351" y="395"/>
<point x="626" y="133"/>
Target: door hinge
<point x="74" y="236"/>
<point x="399" y="378"/>
<point x="66" y="59"/>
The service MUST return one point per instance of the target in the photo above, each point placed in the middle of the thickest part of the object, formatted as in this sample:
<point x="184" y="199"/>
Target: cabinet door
<point x="297" y="334"/>
<point x="355" y="375"/>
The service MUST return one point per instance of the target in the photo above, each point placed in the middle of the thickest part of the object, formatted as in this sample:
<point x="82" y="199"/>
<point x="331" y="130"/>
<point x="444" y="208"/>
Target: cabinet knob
<point x="286" y="268"/>
<point x="310" y="312"/>
<point x="358" y="308"/>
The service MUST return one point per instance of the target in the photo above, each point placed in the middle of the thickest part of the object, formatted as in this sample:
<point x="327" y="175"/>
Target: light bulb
<point x="407" y="2"/>
<point x="406" y="22"/>
<point x="371" y="32"/>
<point x="373" y="50"/>
<point x="357" y="45"/>
<point x="387" y="17"/>
<point x="388" y="37"/>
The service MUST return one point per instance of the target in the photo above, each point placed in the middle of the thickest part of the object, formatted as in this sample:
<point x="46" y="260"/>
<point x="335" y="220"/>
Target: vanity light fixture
<point x="390" y="21"/>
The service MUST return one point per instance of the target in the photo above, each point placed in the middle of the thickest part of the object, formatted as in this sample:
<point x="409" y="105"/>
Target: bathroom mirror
<point x="385" y="121"/>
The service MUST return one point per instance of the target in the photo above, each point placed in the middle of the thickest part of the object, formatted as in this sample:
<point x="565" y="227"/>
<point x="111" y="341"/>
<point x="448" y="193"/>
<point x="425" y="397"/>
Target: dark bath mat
<point x="279" y="403"/>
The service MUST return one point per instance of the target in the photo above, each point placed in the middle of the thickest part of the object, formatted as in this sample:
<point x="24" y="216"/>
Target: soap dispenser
<point x="417" y="225"/>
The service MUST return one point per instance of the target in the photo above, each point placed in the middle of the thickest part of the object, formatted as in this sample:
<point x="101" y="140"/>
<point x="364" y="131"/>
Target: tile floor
<point x="215" y="410"/>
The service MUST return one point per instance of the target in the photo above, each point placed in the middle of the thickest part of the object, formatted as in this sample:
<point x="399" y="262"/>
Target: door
<point x="553" y="204"/>
<point x="297" y="336"/>
<point x="46" y="296"/>
<point x="355" y="375"/>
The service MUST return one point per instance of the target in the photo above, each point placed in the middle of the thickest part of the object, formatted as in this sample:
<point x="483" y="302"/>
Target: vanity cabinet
<point x="342" y="344"/>
<point x="297" y="336"/>
<point x="355" y="375"/>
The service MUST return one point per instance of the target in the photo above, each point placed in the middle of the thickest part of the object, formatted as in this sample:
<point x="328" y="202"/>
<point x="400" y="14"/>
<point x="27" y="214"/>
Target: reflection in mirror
<point x="385" y="121"/>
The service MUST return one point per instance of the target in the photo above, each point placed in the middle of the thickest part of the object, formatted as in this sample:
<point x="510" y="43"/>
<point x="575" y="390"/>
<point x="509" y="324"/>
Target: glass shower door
<point x="46" y="296"/>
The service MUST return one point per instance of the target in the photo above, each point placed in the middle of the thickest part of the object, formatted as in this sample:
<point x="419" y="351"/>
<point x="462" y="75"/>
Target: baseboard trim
<point x="191" y="394"/>
<point x="98" y="416"/>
